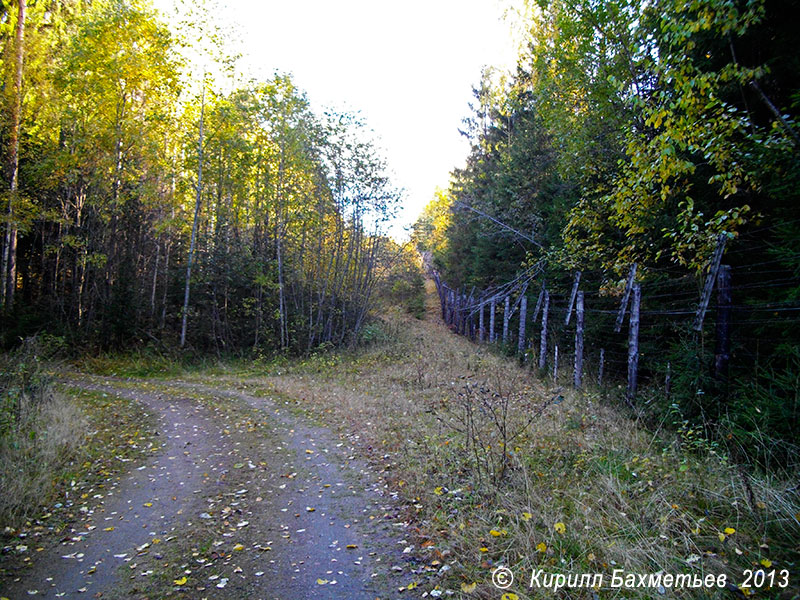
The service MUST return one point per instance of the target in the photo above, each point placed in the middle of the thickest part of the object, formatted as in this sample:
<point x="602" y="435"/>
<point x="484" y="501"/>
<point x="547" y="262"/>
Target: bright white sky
<point x="407" y="67"/>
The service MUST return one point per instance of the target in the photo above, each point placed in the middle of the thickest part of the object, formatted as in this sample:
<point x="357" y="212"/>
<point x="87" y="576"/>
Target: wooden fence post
<point x="456" y="310"/>
<point x="481" y="323"/>
<point x="578" y="374"/>
<point x="506" y="317"/>
<point x="492" y="311"/>
<point x="713" y="269"/>
<point x="555" y="364"/>
<point x="572" y="297"/>
<point x="523" y="314"/>
<point x="462" y="314"/>
<point x="448" y="306"/>
<point x="722" y="352"/>
<point x="471" y="317"/>
<point x="543" y="339"/>
<point x="538" y="304"/>
<point x="624" y="304"/>
<point x="633" y="344"/>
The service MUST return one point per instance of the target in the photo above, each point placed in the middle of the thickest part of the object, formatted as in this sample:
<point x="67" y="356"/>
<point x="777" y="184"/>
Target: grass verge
<point x="496" y="468"/>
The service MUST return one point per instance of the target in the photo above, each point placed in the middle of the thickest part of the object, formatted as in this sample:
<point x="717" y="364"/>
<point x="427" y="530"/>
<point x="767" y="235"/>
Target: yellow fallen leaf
<point x="541" y="547"/>
<point x="560" y="528"/>
<point x="322" y="581"/>
<point x="180" y="581"/>
<point x="509" y="596"/>
<point x="411" y="585"/>
<point x="766" y="563"/>
<point x="495" y="533"/>
<point x="310" y="509"/>
<point x="484" y="549"/>
<point x="526" y="516"/>
<point x="721" y="537"/>
<point x="238" y="547"/>
<point x="468" y="588"/>
<point x="108" y="529"/>
<point x="730" y="530"/>
<point x="148" y="504"/>
<point x="438" y="491"/>
<point x="351" y="546"/>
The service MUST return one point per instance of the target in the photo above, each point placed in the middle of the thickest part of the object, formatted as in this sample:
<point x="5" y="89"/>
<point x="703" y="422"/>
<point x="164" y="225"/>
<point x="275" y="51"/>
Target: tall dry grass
<point x="497" y="467"/>
<point x="41" y="432"/>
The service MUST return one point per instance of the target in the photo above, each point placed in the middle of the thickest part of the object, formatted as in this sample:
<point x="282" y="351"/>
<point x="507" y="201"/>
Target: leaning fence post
<point x="523" y="314"/>
<point x="722" y="352"/>
<point x="538" y="304"/>
<point x="624" y="304"/>
<point x="578" y="375"/>
<point x="572" y="296"/>
<point x="633" y="344"/>
<point x="713" y="268"/>
<point x="543" y="339"/>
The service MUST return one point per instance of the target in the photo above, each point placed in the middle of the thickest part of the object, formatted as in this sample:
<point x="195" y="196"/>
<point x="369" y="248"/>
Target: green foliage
<point x="403" y="283"/>
<point x="764" y="413"/>
<point x="373" y="333"/>
<point x="291" y="203"/>
<point x="638" y="132"/>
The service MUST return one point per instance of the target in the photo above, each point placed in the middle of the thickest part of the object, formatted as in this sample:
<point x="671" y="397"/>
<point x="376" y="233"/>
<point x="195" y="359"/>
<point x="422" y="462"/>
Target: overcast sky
<point x="408" y="67"/>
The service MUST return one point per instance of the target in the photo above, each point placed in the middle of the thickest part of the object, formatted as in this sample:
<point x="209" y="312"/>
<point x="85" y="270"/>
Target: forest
<point x="646" y="134"/>
<point x="220" y="376"/>
<point x="145" y="205"/>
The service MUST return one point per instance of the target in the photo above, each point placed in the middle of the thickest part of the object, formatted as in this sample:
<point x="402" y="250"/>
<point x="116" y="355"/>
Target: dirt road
<point x="246" y="499"/>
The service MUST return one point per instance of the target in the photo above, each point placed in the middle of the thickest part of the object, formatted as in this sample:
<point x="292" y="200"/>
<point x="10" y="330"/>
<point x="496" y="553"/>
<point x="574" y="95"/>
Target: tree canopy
<point x="119" y="146"/>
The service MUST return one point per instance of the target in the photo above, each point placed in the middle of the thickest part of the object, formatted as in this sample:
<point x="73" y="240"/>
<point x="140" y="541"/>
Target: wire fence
<point x="574" y="328"/>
